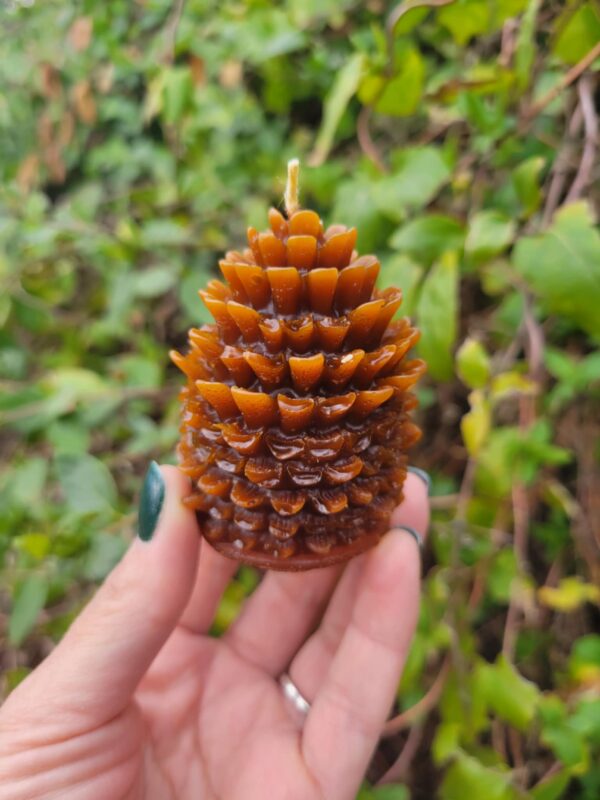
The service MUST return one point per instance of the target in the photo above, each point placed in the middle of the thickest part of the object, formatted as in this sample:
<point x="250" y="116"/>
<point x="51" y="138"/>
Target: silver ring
<point x="415" y="535"/>
<point x="293" y="694"/>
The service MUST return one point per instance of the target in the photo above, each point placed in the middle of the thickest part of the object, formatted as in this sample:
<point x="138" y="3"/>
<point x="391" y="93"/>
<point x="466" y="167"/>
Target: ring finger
<point x="313" y="660"/>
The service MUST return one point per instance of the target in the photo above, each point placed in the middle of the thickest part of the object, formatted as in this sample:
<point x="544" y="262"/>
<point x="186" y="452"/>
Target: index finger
<point x="350" y="709"/>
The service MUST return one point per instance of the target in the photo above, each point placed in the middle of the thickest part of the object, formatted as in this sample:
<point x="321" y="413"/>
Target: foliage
<point x="134" y="148"/>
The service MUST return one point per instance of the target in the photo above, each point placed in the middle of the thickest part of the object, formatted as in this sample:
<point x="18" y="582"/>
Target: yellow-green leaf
<point x="344" y="87"/>
<point x="570" y="594"/>
<point x="473" y="364"/>
<point x="476" y="423"/>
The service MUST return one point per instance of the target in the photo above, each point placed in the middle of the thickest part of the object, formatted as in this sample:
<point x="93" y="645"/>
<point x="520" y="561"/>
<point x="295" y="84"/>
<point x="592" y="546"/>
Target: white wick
<point x="291" y="187"/>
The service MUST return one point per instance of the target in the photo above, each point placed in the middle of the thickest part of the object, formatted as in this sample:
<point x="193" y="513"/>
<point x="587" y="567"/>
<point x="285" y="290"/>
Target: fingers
<point x="350" y="708"/>
<point x="280" y="614"/>
<point x="95" y="669"/>
<point x="214" y="573"/>
<point x="314" y="659"/>
<point x="414" y="510"/>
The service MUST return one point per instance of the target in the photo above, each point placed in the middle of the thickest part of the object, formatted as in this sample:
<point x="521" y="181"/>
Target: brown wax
<point x="295" y="417"/>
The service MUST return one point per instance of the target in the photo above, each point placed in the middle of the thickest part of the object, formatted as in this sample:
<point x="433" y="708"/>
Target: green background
<point x="139" y="139"/>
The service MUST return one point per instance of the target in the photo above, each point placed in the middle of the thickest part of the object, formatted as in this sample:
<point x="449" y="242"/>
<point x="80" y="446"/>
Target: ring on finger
<point x="415" y="535"/>
<point x="293" y="694"/>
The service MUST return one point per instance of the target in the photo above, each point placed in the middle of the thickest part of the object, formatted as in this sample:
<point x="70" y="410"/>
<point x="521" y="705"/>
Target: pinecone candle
<point x="295" y="416"/>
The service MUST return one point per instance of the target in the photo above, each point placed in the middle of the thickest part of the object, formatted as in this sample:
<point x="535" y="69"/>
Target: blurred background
<point x="137" y="142"/>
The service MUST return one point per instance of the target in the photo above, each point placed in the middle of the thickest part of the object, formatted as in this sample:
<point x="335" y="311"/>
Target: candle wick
<point x="291" y="188"/>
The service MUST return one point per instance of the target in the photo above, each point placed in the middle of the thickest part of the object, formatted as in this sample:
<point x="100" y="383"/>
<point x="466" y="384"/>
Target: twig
<point x="365" y="141"/>
<point x="516" y="751"/>
<point x="561" y="167"/>
<point x="171" y="30"/>
<point x="508" y="43"/>
<point x="443" y="501"/>
<point x="585" y="88"/>
<point x="291" y="187"/>
<point x="498" y="735"/>
<point x="425" y="704"/>
<point x="567" y="79"/>
<point x="535" y="355"/>
<point x="398" y="769"/>
<point x="556" y="767"/>
<point x="466" y="489"/>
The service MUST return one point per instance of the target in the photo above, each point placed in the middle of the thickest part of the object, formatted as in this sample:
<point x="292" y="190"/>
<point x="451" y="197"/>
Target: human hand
<point x="138" y="701"/>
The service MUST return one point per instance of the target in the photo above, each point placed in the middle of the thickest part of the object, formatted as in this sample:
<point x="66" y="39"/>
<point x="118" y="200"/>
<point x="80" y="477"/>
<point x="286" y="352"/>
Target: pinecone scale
<point x="295" y="417"/>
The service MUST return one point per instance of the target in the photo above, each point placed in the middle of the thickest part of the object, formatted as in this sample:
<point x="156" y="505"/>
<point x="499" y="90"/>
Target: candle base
<point x="300" y="562"/>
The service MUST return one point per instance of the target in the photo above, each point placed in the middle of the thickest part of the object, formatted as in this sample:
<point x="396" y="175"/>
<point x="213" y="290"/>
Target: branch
<point x="567" y="79"/>
<point x="582" y="180"/>
<point x="535" y="355"/>
<point x="365" y="141"/>
<point x="425" y="704"/>
<point x="171" y="30"/>
<point x="398" y="769"/>
<point x="561" y="167"/>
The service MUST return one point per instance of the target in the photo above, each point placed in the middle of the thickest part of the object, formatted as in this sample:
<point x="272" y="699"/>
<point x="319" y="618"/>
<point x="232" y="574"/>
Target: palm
<point x="216" y="725"/>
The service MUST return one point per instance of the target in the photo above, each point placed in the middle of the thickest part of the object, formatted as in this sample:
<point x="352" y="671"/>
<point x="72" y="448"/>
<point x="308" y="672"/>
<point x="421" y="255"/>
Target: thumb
<point x="97" y="666"/>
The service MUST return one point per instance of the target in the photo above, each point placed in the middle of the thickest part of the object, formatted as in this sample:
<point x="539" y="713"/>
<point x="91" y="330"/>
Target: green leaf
<point x="508" y="694"/>
<point x="163" y="233"/>
<point x="502" y="573"/>
<point x="552" y="788"/>
<point x="177" y="92"/>
<point x="37" y="545"/>
<point x="24" y="484"/>
<point x="446" y="742"/>
<point x="344" y="87"/>
<point x="188" y="297"/>
<point x="584" y="659"/>
<point x="426" y="238"/>
<point x="526" y="180"/>
<point x="354" y="204"/>
<point x="87" y="484"/>
<point x="580" y="33"/>
<point x="105" y="552"/>
<point x="568" y="745"/>
<point x="473" y="364"/>
<point x="419" y="174"/>
<point x="400" y="95"/>
<point x="68" y="436"/>
<point x="490" y="232"/>
<point x="465" y="19"/>
<point x="387" y="792"/>
<point x="562" y="266"/>
<point x="402" y="272"/>
<point x="29" y="600"/>
<point x="437" y="310"/>
<point x="469" y="778"/>
<point x="154" y="281"/>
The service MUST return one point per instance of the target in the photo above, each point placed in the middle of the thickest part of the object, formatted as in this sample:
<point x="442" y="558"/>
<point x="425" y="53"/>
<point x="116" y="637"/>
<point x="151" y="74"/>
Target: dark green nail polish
<point x="424" y="476"/>
<point x="151" y="500"/>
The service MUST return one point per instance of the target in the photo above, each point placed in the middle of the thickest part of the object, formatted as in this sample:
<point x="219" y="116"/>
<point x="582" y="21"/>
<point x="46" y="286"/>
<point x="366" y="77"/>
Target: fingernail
<point x="151" y="501"/>
<point x="412" y="532"/>
<point x="424" y="476"/>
